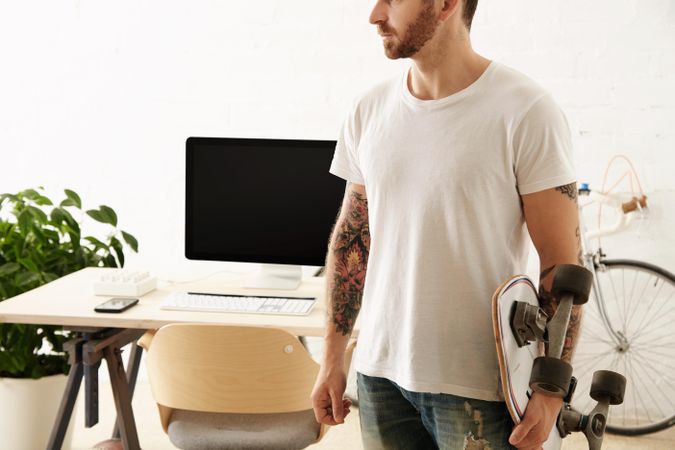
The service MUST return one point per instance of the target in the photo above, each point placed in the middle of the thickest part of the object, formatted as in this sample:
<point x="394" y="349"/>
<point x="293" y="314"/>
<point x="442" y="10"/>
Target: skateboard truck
<point x="528" y="323"/>
<point x="607" y="388"/>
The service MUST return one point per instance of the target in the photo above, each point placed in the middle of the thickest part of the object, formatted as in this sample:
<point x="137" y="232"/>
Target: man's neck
<point x="439" y="71"/>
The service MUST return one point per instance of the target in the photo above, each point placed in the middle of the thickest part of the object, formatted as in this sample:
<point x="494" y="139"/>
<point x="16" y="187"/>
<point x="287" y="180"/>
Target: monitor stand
<point x="275" y="276"/>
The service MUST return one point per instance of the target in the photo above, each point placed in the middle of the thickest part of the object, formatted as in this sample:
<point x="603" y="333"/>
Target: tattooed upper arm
<point x="553" y="223"/>
<point x="570" y="190"/>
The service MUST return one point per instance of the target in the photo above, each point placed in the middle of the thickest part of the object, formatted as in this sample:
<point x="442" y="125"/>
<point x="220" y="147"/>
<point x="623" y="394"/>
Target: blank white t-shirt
<point x="443" y="180"/>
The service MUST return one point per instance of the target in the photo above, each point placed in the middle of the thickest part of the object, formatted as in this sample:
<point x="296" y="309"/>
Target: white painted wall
<point x="100" y="96"/>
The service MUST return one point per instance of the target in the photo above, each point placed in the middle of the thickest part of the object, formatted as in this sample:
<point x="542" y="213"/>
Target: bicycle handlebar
<point x="624" y="208"/>
<point x="632" y="204"/>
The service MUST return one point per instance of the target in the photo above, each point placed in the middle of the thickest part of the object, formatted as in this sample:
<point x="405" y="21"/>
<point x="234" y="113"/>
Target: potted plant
<point x="40" y="242"/>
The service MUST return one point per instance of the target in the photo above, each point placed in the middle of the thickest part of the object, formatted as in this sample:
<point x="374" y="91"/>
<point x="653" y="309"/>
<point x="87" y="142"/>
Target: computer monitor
<point x="269" y="201"/>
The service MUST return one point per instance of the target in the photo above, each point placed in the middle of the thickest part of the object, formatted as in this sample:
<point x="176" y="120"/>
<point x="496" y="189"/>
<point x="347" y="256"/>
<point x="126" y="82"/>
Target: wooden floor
<point x="346" y="436"/>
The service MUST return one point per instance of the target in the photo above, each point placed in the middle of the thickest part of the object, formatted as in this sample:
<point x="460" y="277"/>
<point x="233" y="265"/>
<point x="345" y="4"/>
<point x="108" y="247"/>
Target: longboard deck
<point x="515" y="363"/>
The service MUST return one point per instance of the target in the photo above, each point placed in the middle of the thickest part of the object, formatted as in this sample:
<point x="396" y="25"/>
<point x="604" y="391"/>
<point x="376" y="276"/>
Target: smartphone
<point x="116" y="305"/>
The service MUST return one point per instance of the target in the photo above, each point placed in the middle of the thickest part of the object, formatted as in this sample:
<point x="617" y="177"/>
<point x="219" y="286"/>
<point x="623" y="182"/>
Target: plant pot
<point x="28" y="411"/>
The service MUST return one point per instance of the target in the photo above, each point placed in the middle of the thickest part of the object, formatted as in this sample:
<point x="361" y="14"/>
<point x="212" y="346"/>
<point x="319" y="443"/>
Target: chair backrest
<point x="228" y="369"/>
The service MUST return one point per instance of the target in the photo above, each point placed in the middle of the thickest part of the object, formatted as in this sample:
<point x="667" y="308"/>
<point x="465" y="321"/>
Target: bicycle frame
<point x="593" y="259"/>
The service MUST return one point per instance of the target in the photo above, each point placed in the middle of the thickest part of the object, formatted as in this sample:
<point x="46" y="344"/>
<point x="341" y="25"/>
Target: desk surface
<point x="70" y="301"/>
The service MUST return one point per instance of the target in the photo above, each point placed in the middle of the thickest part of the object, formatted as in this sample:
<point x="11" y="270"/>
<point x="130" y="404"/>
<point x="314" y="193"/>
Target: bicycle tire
<point x="639" y="320"/>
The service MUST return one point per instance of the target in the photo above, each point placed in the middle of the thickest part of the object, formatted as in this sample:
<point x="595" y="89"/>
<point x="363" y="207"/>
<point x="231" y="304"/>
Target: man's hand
<point x="540" y="417"/>
<point x="329" y="406"/>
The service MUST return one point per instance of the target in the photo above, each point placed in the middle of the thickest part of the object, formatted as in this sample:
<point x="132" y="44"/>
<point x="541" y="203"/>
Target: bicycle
<point x="625" y="328"/>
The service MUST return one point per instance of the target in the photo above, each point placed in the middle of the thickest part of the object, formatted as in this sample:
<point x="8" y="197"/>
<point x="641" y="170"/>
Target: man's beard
<point x="417" y="34"/>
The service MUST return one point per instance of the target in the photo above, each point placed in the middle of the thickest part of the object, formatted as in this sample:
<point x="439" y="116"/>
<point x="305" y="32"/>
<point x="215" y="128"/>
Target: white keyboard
<point x="123" y="282"/>
<point x="191" y="301"/>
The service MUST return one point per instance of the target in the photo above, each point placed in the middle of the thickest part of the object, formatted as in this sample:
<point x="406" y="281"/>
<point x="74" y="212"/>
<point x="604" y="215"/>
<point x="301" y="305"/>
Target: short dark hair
<point x="469" y="10"/>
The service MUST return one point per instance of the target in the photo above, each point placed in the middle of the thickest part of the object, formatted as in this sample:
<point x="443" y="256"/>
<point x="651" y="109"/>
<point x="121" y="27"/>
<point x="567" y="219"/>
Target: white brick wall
<point x="100" y="97"/>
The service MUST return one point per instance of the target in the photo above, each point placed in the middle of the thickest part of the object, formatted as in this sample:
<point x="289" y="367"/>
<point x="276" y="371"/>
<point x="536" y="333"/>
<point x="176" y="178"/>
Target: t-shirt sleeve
<point x="345" y="161"/>
<point x="542" y="146"/>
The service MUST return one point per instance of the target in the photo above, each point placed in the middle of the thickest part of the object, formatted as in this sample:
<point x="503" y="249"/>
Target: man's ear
<point x="449" y="8"/>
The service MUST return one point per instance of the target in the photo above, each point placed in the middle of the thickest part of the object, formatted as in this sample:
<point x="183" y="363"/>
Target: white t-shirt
<point x="443" y="179"/>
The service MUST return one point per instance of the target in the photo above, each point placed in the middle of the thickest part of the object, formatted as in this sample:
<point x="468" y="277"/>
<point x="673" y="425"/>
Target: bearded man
<point x="452" y="166"/>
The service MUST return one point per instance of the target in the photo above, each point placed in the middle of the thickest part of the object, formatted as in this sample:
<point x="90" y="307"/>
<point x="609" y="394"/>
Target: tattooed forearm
<point x="572" y="334"/>
<point x="569" y="190"/>
<point x="549" y="304"/>
<point x="350" y="247"/>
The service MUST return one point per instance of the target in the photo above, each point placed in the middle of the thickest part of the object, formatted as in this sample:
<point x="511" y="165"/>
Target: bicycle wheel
<point x="639" y="301"/>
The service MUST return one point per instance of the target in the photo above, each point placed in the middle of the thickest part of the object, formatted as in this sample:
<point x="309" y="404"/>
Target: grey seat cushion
<point x="192" y="430"/>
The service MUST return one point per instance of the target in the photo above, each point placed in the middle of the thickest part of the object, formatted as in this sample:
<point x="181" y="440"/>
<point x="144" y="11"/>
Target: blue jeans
<point x="393" y="418"/>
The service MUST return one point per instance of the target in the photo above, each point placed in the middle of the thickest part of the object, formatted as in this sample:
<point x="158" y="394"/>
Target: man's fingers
<point x="322" y="405"/>
<point x="324" y="413"/>
<point x="533" y="439"/>
<point x="337" y="407"/>
<point x="521" y="430"/>
<point x="327" y="417"/>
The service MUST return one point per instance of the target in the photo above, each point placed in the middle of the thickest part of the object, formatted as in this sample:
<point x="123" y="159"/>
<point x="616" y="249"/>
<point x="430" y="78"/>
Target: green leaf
<point x="7" y="196"/>
<point x="119" y="251"/>
<point x="25" y="218"/>
<point x="37" y="214"/>
<point x="129" y="239"/>
<point x="42" y="200"/>
<point x="37" y="230"/>
<point x="99" y="216"/>
<point x="109" y="261"/>
<point x="28" y="264"/>
<point x="74" y="198"/>
<point x="57" y="215"/>
<point x="9" y="268"/>
<point x="67" y="202"/>
<point x="49" y="277"/>
<point x="26" y="278"/>
<point x="30" y="194"/>
<point x="110" y="213"/>
<point x="72" y="223"/>
<point x="96" y="242"/>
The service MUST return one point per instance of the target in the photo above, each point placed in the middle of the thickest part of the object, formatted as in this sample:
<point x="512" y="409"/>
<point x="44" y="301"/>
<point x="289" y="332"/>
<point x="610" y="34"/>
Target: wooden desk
<point x="69" y="301"/>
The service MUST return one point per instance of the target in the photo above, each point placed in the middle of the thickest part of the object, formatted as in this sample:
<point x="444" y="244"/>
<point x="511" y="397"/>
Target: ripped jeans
<point x="393" y="418"/>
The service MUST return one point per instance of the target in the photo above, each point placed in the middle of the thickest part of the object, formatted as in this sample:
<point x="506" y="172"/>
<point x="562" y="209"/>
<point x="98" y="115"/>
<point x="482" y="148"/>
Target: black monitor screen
<point x="260" y="200"/>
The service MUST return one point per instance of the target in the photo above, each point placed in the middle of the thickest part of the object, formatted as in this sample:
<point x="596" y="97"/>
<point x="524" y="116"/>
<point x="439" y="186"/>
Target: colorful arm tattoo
<point x="350" y="247"/>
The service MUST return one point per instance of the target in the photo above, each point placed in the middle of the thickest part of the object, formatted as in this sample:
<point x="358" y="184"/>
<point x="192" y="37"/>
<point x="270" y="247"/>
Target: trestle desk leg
<point x="121" y="394"/>
<point x="132" y="374"/>
<point x="74" y="348"/>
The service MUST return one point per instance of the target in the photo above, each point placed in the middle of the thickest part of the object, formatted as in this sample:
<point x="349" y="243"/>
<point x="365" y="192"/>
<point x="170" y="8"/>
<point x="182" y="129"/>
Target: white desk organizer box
<point x="125" y="283"/>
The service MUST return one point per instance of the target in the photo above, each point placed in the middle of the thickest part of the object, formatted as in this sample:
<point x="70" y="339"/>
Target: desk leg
<point x="121" y="393"/>
<point x="132" y="374"/>
<point x="58" y="433"/>
<point x="91" y="394"/>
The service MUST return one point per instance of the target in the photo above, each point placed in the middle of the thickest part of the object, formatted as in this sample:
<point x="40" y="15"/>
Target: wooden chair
<point x="227" y="387"/>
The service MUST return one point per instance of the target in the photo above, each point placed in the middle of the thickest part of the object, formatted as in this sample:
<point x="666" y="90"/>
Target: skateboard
<point x="521" y="328"/>
<point x="515" y="363"/>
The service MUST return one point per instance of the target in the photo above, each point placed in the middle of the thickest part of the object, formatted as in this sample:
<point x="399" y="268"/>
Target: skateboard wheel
<point x="550" y="376"/>
<point x="572" y="279"/>
<point x="608" y="384"/>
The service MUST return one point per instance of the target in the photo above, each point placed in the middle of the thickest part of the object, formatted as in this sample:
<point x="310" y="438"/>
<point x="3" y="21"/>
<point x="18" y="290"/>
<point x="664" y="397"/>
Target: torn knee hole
<point x="473" y="443"/>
